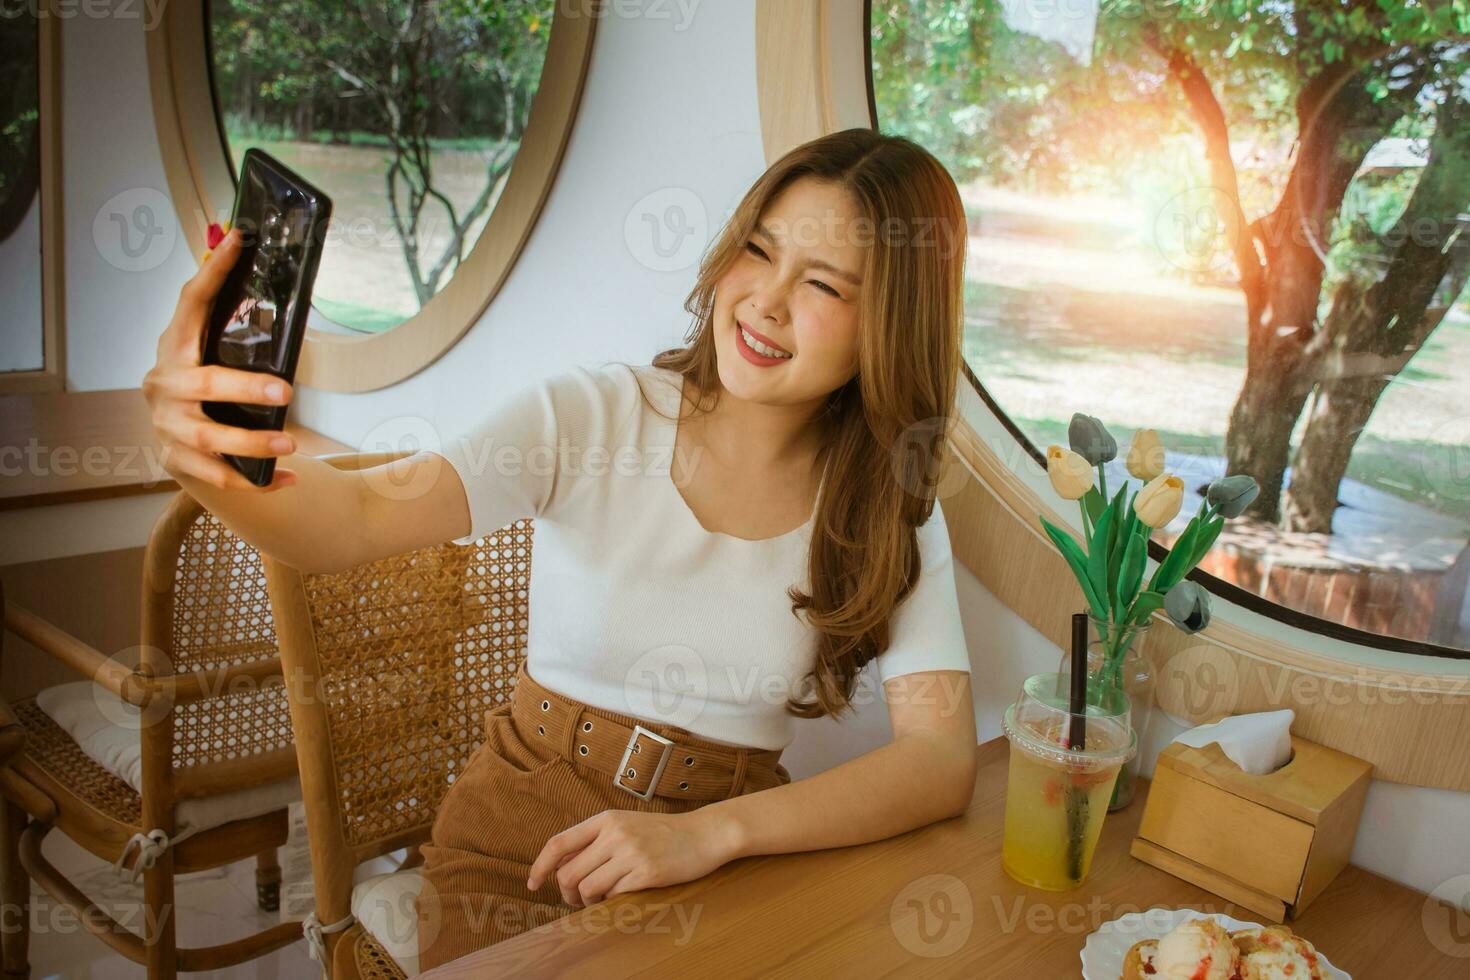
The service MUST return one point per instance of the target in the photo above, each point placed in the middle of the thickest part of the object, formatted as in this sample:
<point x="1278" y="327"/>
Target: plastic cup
<point x="1057" y="797"/>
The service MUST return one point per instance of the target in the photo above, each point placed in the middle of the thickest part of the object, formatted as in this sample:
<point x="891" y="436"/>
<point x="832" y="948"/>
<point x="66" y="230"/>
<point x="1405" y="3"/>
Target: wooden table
<point x="932" y="902"/>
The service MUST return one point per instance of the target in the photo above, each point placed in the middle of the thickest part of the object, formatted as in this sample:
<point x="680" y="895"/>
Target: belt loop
<point x="742" y="766"/>
<point x="569" y="730"/>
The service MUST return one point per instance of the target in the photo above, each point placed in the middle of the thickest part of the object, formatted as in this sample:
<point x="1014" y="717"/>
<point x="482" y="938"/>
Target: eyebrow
<point x="814" y="263"/>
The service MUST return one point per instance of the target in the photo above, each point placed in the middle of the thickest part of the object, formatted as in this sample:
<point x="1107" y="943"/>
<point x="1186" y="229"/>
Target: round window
<point x="408" y="114"/>
<point x="1249" y="232"/>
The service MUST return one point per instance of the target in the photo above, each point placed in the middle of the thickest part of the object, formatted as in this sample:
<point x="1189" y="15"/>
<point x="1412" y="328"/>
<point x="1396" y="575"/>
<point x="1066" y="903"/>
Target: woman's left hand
<point x="620" y="851"/>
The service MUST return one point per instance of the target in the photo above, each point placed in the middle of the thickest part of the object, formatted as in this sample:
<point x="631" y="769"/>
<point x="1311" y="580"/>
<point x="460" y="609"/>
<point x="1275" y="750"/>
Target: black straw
<point x="1077" y="736"/>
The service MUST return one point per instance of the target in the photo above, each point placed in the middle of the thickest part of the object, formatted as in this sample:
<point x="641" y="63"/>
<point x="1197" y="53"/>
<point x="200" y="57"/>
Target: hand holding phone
<point x="178" y="383"/>
<point x="258" y="319"/>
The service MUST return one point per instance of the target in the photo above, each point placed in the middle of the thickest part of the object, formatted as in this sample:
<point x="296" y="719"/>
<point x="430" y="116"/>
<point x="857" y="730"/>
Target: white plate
<point x="1102" y="955"/>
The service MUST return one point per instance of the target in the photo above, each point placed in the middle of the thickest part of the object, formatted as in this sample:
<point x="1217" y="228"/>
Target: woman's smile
<point x="754" y="346"/>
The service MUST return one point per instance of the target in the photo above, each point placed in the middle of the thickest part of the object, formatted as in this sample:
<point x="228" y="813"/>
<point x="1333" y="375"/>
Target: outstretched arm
<point x="313" y="515"/>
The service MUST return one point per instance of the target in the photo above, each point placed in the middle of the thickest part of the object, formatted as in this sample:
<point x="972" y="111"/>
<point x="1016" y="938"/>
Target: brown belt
<point x="635" y="752"/>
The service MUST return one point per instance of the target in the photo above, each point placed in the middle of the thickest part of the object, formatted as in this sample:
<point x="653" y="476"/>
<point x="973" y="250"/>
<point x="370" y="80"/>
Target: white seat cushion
<point x="105" y="728"/>
<point x="386" y="906"/>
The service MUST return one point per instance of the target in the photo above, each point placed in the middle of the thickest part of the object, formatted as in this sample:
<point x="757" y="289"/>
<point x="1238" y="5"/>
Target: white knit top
<point x="635" y="606"/>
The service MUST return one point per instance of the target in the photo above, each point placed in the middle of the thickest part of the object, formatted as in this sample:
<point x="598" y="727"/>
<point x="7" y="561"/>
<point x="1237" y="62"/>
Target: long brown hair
<point x="884" y="429"/>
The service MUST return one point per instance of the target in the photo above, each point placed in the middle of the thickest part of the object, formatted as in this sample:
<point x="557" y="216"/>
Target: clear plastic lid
<point x="1040" y="722"/>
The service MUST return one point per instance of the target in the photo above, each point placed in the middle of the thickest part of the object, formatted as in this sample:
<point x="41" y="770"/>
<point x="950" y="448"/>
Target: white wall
<point x="117" y="303"/>
<point x="664" y="109"/>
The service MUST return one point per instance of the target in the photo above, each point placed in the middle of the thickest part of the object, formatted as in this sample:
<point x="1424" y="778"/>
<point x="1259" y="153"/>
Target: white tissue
<point x="1258" y="743"/>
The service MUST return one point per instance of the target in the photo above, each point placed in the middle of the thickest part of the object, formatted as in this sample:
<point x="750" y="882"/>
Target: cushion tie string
<point x="150" y="847"/>
<point x="313" y="929"/>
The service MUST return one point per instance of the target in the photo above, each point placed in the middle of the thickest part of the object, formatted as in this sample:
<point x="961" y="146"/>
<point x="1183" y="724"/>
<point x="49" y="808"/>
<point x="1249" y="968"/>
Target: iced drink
<point x="1057" y="796"/>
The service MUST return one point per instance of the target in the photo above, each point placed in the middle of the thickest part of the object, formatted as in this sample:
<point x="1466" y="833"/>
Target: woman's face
<point x="795" y="287"/>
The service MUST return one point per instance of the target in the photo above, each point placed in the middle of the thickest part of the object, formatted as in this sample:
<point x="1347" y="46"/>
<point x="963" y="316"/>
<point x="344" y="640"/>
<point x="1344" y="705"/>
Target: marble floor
<point x="215" y="906"/>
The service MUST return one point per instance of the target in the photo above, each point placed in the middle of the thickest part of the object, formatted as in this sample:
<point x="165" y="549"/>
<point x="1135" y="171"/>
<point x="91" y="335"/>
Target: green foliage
<point x="1075" y="557"/>
<point x="1020" y="111"/>
<point x="1097" y="558"/>
<point x="19" y="111"/>
<point x="462" y="67"/>
<point x="1110" y="570"/>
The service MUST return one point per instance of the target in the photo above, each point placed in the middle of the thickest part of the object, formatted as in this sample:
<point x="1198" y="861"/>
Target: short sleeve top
<point x="634" y="606"/>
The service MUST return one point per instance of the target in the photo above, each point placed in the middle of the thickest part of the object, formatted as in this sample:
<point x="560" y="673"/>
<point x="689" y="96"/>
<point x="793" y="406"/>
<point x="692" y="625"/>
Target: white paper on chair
<point x="1258" y="743"/>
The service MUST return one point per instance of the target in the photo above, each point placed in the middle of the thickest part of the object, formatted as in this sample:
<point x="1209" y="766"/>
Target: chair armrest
<point x="129" y="685"/>
<point x="12" y="735"/>
<point x="84" y="659"/>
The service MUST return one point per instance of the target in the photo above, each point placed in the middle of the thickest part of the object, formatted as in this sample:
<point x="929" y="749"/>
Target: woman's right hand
<point x="177" y="384"/>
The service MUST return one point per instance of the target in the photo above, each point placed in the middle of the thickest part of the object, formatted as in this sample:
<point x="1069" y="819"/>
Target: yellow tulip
<point x="1071" y="474"/>
<point x="1159" y="500"/>
<point x="1146" y="455"/>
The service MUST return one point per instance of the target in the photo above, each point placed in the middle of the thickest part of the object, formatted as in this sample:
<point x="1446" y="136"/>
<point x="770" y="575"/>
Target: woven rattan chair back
<point x="205" y="608"/>
<point x="212" y="718"/>
<point x="390" y="669"/>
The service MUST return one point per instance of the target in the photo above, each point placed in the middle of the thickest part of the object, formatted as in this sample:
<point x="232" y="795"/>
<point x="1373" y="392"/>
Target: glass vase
<point x="1118" y="672"/>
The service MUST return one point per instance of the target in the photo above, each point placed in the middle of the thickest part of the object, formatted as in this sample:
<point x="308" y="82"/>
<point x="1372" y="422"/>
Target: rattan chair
<point x="391" y="667"/>
<point x="210" y="718"/>
<point x="12" y="736"/>
<point x="14" y="888"/>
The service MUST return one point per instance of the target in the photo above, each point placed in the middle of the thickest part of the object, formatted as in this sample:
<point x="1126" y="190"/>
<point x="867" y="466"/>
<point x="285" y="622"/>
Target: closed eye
<point x="755" y="249"/>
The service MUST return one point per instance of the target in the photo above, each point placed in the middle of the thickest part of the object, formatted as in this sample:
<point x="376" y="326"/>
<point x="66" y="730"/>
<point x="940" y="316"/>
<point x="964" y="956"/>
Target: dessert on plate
<point x="1273" y="952"/>
<point x="1201" y="949"/>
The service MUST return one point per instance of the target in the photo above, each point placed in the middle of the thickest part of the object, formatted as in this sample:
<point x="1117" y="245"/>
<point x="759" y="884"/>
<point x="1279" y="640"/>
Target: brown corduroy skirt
<point x="522" y="786"/>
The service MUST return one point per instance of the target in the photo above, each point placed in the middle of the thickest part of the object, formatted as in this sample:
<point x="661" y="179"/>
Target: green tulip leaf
<point x="1094" y="502"/>
<point x="1123" y="531"/>
<point x="1097" y="558"/>
<point x="1131" y="574"/>
<point x="1206" y="540"/>
<point x="1072" y="552"/>
<point x="1174" y="566"/>
<point x="1145" y="606"/>
<point x="1120" y="537"/>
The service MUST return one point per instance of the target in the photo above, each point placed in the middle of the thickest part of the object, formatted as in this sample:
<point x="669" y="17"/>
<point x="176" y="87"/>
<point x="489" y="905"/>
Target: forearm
<point x="310" y="525"/>
<point x="910" y="782"/>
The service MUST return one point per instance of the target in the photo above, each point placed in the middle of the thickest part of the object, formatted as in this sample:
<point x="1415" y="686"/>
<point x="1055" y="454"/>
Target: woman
<point x="724" y="538"/>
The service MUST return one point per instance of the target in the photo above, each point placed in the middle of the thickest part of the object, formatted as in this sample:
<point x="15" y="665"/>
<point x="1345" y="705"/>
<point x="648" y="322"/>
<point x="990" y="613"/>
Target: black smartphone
<point x="258" y="320"/>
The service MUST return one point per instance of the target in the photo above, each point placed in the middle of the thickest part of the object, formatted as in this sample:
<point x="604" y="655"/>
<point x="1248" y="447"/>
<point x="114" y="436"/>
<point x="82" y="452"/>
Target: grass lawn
<point x="1072" y="311"/>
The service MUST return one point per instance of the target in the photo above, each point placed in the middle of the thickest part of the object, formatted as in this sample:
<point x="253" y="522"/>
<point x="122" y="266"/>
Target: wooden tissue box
<point x="1270" y="843"/>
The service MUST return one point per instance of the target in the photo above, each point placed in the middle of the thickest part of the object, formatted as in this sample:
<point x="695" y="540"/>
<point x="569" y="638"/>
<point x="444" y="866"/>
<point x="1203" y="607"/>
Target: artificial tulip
<point x="1146" y="455"/>
<point x="1188" y="606"/>
<point x="1071" y="475"/>
<point x="1232" y="495"/>
<point x="1159" y="500"/>
<point x="1091" y="440"/>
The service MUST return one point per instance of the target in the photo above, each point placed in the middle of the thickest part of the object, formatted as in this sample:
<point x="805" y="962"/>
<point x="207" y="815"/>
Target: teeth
<point x="756" y="345"/>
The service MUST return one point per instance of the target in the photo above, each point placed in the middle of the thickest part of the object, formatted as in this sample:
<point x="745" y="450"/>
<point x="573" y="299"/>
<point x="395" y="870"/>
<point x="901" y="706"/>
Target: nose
<point x="768" y="299"/>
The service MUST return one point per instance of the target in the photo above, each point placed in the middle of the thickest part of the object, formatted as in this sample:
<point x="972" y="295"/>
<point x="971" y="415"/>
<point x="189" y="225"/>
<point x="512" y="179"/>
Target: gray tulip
<point x="1233" y="494"/>
<point x="1188" y="606"/>
<point x="1090" y="440"/>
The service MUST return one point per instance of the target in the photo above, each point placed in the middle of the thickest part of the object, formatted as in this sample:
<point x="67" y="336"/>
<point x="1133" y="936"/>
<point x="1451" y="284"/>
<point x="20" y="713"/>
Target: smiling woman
<point x="688" y="612"/>
<point x="807" y="542"/>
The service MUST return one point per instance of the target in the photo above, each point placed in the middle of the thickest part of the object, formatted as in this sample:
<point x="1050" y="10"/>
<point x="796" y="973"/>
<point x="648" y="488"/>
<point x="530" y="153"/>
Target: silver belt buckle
<point x="658" y="771"/>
